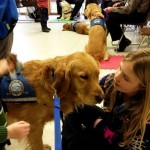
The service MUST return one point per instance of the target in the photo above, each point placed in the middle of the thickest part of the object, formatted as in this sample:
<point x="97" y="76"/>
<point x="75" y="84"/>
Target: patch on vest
<point x="16" y="87"/>
<point x="16" y="90"/>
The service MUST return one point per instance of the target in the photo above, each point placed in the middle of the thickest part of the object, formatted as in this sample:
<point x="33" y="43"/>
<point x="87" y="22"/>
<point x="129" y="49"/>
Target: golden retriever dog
<point x="77" y="26"/>
<point x="74" y="77"/>
<point x="97" y="43"/>
<point x="66" y="10"/>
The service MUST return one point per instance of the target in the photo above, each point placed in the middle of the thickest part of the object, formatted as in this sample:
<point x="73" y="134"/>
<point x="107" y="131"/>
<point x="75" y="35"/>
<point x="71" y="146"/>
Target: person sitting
<point x="124" y="12"/>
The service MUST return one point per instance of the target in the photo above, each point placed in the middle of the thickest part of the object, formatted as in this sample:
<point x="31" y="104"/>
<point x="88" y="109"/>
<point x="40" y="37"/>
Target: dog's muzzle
<point x="99" y="98"/>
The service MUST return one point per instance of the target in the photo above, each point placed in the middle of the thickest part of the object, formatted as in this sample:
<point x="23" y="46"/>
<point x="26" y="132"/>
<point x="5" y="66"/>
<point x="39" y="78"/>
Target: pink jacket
<point x="42" y="3"/>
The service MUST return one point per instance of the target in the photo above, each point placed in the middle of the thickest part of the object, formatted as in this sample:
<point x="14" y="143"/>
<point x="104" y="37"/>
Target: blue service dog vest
<point x="16" y="90"/>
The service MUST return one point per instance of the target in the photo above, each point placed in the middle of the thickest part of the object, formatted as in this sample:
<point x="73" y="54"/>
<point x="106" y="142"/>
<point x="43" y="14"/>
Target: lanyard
<point x="58" y="145"/>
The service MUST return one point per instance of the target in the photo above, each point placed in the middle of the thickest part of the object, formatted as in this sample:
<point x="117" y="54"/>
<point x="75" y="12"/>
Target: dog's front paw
<point x="46" y="147"/>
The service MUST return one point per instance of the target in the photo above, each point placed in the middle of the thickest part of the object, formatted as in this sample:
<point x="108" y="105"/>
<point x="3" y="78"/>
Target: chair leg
<point x="148" y="40"/>
<point x="141" y="42"/>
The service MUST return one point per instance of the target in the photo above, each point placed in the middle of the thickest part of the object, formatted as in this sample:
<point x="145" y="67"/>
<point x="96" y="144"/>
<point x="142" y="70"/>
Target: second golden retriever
<point x="97" y="43"/>
<point x="78" y="26"/>
<point x="74" y="78"/>
<point x="66" y="10"/>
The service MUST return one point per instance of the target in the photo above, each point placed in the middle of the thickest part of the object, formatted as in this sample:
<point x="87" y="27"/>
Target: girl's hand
<point x="97" y="122"/>
<point x="18" y="130"/>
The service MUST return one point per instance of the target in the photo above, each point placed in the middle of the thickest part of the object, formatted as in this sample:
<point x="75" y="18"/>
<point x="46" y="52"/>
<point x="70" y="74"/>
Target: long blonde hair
<point x="140" y="112"/>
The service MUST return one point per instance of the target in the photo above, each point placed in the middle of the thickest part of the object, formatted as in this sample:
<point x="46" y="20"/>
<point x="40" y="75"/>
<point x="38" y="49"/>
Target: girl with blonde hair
<point x="124" y="121"/>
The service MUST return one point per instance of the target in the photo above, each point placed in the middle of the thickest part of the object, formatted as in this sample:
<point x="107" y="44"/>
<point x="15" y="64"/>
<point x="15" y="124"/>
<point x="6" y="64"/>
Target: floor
<point x="30" y="43"/>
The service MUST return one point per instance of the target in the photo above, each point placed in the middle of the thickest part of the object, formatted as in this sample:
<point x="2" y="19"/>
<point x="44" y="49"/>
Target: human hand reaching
<point x="117" y="4"/>
<point x="18" y="130"/>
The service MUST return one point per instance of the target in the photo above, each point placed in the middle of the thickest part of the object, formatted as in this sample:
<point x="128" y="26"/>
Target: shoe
<point x="59" y="17"/>
<point x="71" y="18"/>
<point x="123" y="44"/>
<point x="45" y="30"/>
<point x="49" y="28"/>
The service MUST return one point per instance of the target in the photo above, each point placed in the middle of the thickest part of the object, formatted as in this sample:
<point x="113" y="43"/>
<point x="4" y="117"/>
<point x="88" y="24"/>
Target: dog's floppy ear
<point x="87" y="13"/>
<point x="45" y="75"/>
<point x="98" y="14"/>
<point x="62" y="81"/>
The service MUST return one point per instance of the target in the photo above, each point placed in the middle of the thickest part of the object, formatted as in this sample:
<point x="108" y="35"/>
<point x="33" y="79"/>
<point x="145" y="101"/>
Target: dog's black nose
<point x="99" y="98"/>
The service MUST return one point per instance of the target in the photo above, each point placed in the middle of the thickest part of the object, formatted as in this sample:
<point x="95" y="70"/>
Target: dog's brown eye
<point x="84" y="77"/>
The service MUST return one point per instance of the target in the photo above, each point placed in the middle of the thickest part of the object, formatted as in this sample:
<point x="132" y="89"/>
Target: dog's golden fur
<point x="74" y="77"/>
<point x="97" y="43"/>
<point x="80" y="27"/>
<point x="66" y="10"/>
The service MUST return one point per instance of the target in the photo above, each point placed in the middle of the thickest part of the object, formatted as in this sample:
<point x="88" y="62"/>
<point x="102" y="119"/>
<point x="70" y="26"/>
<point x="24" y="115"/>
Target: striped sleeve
<point x="3" y="123"/>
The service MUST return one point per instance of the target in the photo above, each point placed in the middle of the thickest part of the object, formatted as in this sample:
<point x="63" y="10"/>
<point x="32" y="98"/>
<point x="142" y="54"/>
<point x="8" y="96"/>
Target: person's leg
<point x="76" y="9"/>
<point x="37" y="14"/>
<point x="59" y="9"/>
<point x="113" y="25"/>
<point x="44" y="18"/>
<point x="6" y="45"/>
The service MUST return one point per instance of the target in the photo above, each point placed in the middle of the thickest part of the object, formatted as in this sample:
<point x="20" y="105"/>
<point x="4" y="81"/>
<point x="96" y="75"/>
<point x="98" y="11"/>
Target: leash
<point x="58" y="145"/>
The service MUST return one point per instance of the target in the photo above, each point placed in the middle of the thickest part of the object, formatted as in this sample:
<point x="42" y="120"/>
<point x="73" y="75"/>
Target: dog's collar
<point x="67" y="12"/>
<point x="53" y="75"/>
<point x="99" y="21"/>
<point x="74" y="25"/>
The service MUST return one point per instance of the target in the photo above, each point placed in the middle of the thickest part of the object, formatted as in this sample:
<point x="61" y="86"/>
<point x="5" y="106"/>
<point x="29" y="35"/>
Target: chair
<point x="145" y="32"/>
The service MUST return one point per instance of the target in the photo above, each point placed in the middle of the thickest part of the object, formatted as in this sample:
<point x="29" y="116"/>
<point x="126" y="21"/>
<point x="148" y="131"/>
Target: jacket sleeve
<point x="106" y="132"/>
<point x="3" y="123"/>
<point x="129" y="7"/>
<point x="2" y="8"/>
<point x="3" y="134"/>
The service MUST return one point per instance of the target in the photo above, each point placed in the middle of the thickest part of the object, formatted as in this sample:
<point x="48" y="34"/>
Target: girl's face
<point x="125" y="79"/>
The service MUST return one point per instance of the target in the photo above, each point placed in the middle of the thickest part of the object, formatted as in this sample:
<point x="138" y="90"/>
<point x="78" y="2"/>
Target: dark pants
<point x="44" y="17"/>
<point x="115" y="20"/>
<point x="78" y="4"/>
